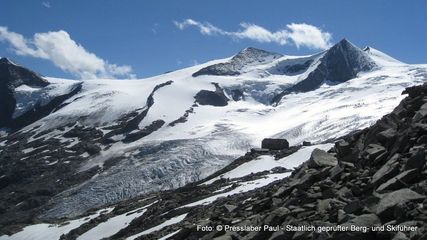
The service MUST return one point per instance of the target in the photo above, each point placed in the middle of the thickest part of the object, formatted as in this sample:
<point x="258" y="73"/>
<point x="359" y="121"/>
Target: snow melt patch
<point x="170" y="235"/>
<point x="243" y="187"/>
<point x="296" y="159"/>
<point x="45" y="231"/>
<point x="267" y="162"/>
<point x="166" y="223"/>
<point x="113" y="225"/>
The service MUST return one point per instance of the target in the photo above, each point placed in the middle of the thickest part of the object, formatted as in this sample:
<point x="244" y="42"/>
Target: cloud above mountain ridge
<point x="298" y="34"/>
<point x="65" y="53"/>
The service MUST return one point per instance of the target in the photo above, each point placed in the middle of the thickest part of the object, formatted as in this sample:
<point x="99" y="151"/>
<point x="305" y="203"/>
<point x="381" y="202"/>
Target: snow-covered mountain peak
<point x="346" y="60"/>
<point x="5" y="60"/>
<point x="11" y="77"/>
<point x="340" y="63"/>
<point x="252" y="54"/>
<point x="15" y="75"/>
<point x="238" y="63"/>
<point x="345" y="43"/>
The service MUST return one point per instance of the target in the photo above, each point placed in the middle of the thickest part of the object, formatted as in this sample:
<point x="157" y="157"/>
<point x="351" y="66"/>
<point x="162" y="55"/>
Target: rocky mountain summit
<point x="340" y="63"/>
<point x="248" y="56"/>
<point x="11" y="77"/>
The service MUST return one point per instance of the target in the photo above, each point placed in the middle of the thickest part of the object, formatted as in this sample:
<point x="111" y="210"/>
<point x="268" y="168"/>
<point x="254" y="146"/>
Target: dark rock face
<point x="233" y="67"/>
<point x="274" y="143"/>
<point x="12" y="76"/>
<point x="15" y="75"/>
<point x="154" y="126"/>
<point x="294" y="69"/>
<point x="184" y="117"/>
<point x="344" y="60"/>
<point x="340" y="63"/>
<point x="215" y="98"/>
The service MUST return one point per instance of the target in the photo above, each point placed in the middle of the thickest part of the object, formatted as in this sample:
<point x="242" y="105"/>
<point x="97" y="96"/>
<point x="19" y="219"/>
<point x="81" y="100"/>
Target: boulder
<point x="230" y="207"/>
<point x="386" y="136"/>
<point x="388" y="201"/>
<point x="342" y="147"/>
<point x="281" y="191"/>
<point x="400" y="236"/>
<point x="417" y="160"/>
<point x="275" y="143"/>
<point x="389" y="169"/>
<point x="92" y="149"/>
<point x="320" y="158"/>
<point x="365" y="220"/>
<point x="399" y="181"/>
<point x="353" y="207"/>
<point x="336" y="172"/>
<point x="373" y="151"/>
<point x="421" y="113"/>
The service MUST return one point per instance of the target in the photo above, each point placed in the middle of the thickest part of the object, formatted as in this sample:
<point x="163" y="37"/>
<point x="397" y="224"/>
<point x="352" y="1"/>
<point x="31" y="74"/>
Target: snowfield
<point x="45" y="231"/>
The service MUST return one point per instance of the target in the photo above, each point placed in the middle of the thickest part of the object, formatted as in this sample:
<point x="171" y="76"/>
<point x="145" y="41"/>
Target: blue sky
<point x="144" y="38"/>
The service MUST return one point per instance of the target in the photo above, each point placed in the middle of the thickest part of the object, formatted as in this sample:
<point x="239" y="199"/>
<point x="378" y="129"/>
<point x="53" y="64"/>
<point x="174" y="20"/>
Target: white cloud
<point x="205" y="28"/>
<point x="299" y="34"/>
<point x="46" y="4"/>
<point x="19" y="43"/>
<point x="65" y="53"/>
<point x="308" y="35"/>
<point x="260" y="34"/>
